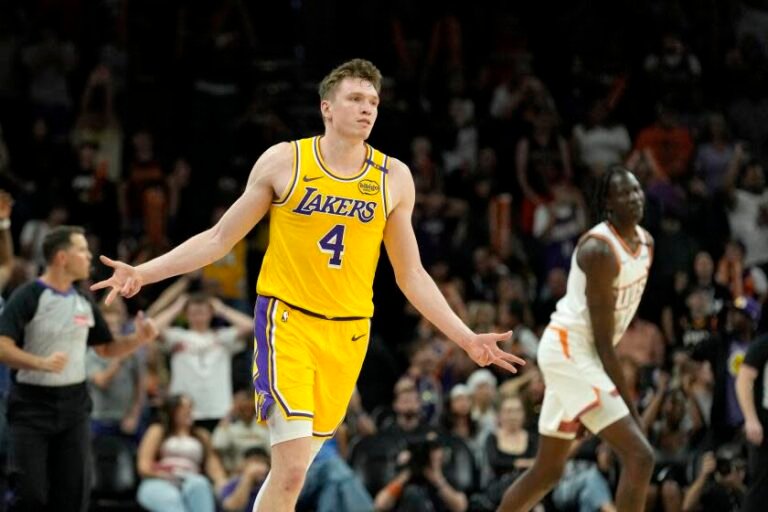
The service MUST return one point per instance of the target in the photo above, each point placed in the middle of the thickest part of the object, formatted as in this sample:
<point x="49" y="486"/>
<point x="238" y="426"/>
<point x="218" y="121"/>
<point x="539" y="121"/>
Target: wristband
<point x="5" y="224"/>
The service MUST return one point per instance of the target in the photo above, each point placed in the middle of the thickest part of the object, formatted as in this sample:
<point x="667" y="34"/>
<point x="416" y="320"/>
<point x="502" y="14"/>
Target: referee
<point x="45" y="330"/>
<point x="752" y="392"/>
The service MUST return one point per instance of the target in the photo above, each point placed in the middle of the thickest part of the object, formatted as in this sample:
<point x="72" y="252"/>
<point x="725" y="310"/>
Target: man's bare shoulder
<point x="595" y="254"/>
<point x="280" y="155"/>
<point x="398" y="172"/>
<point x="401" y="186"/>
<point x="395" y="167"/>
<point x="275" y="162"/>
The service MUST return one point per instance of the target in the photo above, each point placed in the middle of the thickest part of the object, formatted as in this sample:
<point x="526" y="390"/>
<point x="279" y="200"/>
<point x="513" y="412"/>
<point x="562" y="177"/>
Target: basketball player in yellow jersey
<point x="332" y="200"/>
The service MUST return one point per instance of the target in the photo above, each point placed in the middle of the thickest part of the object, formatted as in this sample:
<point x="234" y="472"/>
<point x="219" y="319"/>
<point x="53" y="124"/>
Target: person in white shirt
<point x="748" y="212"/>
<point x="201" y="355"/>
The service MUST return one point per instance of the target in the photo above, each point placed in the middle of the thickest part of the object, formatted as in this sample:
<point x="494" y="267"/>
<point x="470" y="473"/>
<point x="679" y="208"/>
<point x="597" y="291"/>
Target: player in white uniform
<point x="584" y="383"/>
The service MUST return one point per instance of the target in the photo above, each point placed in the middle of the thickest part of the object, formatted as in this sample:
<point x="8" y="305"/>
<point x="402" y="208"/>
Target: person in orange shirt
<point x="669" y="143"/>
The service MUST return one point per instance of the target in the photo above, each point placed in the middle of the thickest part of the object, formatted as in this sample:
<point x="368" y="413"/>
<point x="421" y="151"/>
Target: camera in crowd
<point x="421" y="448"/>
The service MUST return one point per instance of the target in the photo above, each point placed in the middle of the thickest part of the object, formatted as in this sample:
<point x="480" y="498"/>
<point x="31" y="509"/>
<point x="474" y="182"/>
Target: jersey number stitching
<point x="333" y="243"/>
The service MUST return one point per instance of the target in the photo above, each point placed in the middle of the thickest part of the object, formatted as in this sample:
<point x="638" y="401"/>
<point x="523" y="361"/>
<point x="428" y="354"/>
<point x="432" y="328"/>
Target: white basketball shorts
<point x="578" y="391"/>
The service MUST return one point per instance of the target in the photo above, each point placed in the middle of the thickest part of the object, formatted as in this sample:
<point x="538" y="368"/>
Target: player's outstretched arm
<point x="421" y="290"/>
<point x="211" y="244"/>
<point x="599" y="264"/>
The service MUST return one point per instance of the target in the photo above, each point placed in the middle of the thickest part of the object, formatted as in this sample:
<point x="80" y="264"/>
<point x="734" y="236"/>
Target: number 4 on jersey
<point x="333" y="243"/>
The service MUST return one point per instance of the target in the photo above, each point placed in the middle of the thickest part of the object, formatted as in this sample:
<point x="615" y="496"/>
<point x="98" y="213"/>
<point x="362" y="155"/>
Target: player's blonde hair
<point x="355" y="68"/>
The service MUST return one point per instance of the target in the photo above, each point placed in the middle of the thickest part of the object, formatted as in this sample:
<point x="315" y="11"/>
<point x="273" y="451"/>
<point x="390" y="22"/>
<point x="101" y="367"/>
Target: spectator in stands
<point x="144" y="200"/>
<point x="331" y="486"/>
<point x="239" y="493"/>
<point x="552" y="290"/>
<point x="176" y="461"/>
<point x="408" y="419"/>
<point x="704" y="279"/>
<point x="598" y="142"/>
<point x="97" y="122"/>
<point x="35" y="230"/>
<point x="45" y="329"/>
<point x="673" y="73"/>
<point x="558" y="222"/>
<point x="542" y="158"/>
<point x="716" y="154"/>
<point x="725" y="354"/>
<point x="588" y="478"/>
<point x="510" y="448"/>
<point x="49" y="61"/>
<point x="227" y="278"/>
<point x="669" y="143"/>
<point x="512" y="317"/>
<point x="719" y="486"/>
<point x="93" y="196"/>
<point x="116" y="385"/>
<point x="733" y="272"/>
<point x="201" y="354"/>
<point x="672" y="422"/>
<point x="748" y="212"/>
<point x="239" y="432"/>
<point x="457" y="420"/>
<point x="696" y="322"/>
<point x="423" y="371"/>
<point x="644" y="343"/>
<point x="421" y="484"/>
<point x="357" y="425"/>
<point x="482" y="384"/>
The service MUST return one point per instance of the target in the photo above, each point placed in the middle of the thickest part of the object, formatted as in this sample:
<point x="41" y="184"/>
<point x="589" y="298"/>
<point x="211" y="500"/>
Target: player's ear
<point x="325" y="109"/>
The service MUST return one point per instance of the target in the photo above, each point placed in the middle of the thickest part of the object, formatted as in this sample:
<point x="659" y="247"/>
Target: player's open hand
<point x="484" y="350"/>
<point x="125" y="280"/>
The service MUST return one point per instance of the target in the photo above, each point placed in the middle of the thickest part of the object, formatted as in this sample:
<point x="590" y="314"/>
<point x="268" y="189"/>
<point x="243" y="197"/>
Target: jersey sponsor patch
<point x="368" y="187"/>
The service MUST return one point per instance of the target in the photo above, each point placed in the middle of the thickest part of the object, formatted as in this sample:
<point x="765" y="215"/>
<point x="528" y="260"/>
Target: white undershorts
<point x="578" y="391"/>
<point x="281" y="429"/>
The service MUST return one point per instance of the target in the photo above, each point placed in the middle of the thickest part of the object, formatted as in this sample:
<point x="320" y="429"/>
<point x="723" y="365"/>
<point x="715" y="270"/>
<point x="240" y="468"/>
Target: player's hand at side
<point x="125" y="280"/>
<point x="484" y="350"/>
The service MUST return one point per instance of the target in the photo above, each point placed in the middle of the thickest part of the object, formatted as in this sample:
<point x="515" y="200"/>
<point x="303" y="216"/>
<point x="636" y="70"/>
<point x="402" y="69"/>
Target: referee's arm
<point x="16" y="358"/>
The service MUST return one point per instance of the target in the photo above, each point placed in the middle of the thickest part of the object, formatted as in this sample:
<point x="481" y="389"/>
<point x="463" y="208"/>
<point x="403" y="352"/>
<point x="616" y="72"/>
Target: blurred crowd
<point x="140" y="121"/>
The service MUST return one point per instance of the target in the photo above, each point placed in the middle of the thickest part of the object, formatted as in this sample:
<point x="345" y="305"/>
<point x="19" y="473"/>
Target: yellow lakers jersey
<point x="325" y="235"/>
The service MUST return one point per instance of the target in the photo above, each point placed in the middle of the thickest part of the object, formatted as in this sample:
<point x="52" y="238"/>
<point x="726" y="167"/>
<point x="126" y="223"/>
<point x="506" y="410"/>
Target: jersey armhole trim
<point x="646" y="241"/>
<point x="385" y="199"/>
<point x="288" y="192"/>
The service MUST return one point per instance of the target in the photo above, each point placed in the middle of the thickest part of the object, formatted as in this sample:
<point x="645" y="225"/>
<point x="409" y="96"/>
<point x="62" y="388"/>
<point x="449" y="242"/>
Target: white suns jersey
<point x="571" y="312"/>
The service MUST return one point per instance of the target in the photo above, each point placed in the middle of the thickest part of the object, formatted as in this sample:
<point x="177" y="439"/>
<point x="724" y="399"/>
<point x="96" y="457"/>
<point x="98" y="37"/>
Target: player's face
<point x="78" y="258"/>
<point x="352" y="108"/>
<point x="627" y="200"/>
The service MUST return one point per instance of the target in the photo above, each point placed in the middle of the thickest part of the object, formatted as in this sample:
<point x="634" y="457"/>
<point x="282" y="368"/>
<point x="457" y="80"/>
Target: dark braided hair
<point x="603" y="188"/>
